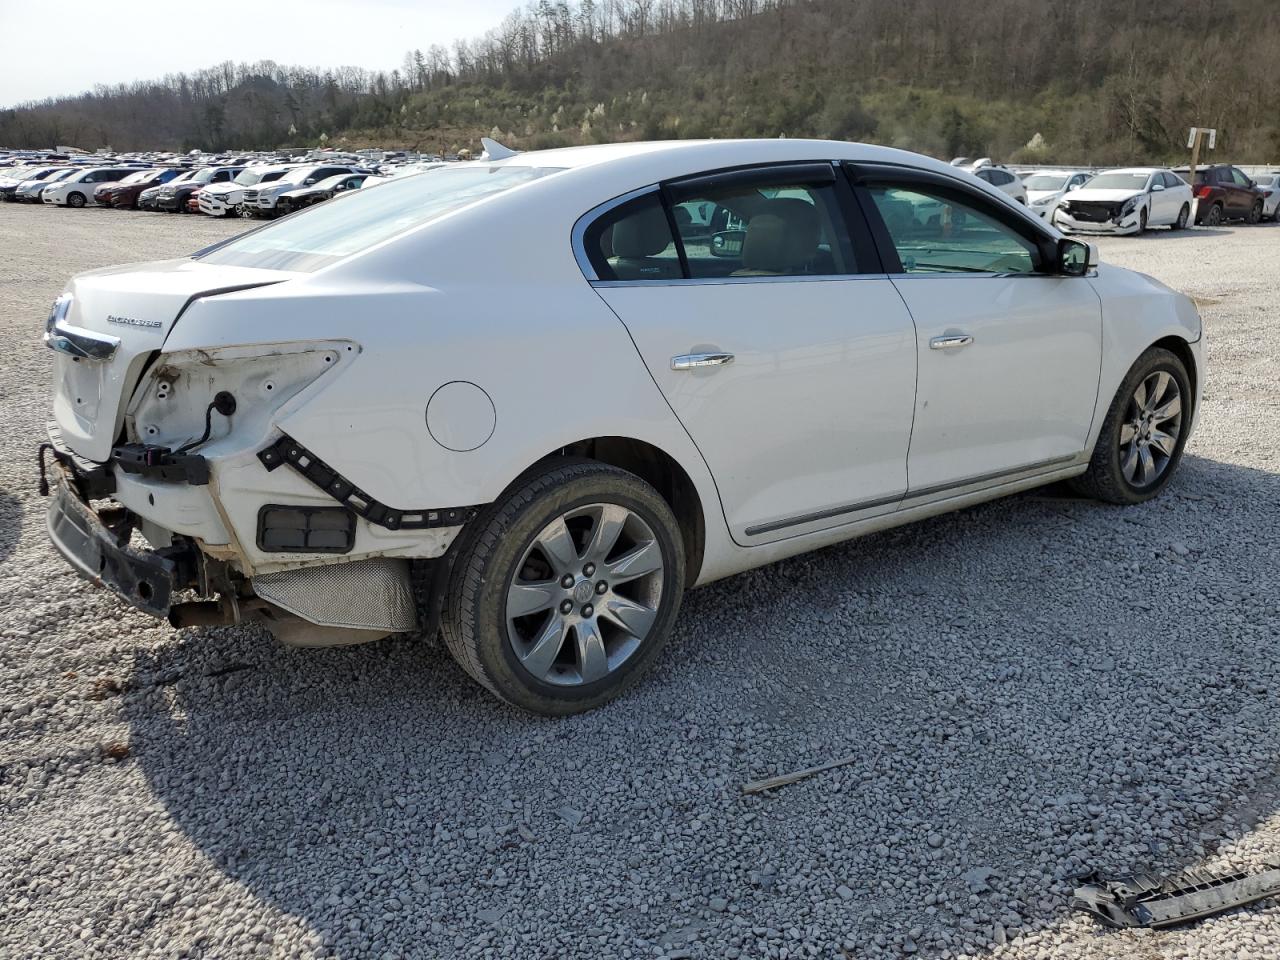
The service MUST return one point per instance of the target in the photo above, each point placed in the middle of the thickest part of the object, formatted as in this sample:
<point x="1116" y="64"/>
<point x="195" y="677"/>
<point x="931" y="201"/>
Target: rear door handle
<point x="692" y="361"/>
<point x="950" y="342"/>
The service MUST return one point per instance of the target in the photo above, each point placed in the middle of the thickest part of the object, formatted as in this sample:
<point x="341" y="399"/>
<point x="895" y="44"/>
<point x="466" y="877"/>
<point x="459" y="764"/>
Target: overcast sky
<point x="47" y="49"/>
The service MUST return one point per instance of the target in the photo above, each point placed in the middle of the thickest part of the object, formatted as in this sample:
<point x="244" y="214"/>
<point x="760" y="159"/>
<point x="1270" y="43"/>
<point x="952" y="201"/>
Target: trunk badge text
<point x="132" y="321"/>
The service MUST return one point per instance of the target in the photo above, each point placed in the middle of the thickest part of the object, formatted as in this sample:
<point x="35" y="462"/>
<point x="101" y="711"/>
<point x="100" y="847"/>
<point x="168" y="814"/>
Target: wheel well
<point x="661" y="471"/>
<point x="1182" y="350"/>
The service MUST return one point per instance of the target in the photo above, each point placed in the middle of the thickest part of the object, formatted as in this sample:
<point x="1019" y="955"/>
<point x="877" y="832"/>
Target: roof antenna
<point x="493" y="150"/>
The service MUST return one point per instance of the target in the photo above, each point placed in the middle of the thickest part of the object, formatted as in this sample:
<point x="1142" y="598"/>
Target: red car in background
<point x="1224" y="193"/>
<point x="123" y="194"/>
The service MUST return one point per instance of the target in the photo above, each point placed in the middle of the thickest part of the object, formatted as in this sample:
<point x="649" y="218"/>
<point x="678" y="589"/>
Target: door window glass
<point x="633" y="242"/>
<point x="934" y="233"/>
<point x="762" y="230"/>
<point x="1240" y="179"/>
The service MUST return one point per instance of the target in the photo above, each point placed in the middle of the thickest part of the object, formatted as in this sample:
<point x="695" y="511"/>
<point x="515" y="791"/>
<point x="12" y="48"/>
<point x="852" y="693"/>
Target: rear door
<point x="1008" y="354"/>
<point x="774" y="335"/>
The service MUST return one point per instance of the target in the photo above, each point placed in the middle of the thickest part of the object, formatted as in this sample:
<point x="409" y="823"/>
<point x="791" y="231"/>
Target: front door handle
<point x="692" y="361"/>
<point x="950" y="342"/>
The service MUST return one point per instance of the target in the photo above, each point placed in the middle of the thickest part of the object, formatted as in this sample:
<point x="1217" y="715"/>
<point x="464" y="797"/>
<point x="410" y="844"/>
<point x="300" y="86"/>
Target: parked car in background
<point x="287" y="455"/>
<point x="78" y="190"/>
<point x="261" y="201"/>
<point x="173" y="196"/>
<point x="1125" y="201"/>
<point x="1223" y="193"/>
<point x="124" y="194"/>
<point x="149" y="197"/>
<point x="29" y="190"/>
<point x="996" y="174"/>
<point x="9" y="184"/>
<point x="224" y="199"/>
<point x="1269" y="184"/>
<point x="1046" y="188"/>
<point x="320" y="191"/>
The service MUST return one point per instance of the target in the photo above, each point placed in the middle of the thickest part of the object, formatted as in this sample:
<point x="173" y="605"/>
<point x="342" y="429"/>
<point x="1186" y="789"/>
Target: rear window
<point x="325" y="234"/>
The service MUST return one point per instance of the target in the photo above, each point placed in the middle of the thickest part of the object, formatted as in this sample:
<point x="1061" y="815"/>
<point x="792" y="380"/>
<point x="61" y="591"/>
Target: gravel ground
<point x="1031" y="687"/>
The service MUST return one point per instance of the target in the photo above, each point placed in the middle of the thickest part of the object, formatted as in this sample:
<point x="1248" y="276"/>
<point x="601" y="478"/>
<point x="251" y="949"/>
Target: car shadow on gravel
<point x="1024" y="689"/>
<point x="10" y="524"/>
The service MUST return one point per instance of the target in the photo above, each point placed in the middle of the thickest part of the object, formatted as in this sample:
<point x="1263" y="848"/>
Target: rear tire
<point x="1214" y="217"/>
<point x="1143" y="435"/>
<point x="608" y="532"/>
<point x="1183" y="215"/>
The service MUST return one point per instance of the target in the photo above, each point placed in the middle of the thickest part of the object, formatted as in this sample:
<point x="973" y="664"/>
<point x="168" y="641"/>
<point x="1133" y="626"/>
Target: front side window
<point x="762" y="229"/>
<point x="937" y="233"/>
<point x="1240" y="179"/>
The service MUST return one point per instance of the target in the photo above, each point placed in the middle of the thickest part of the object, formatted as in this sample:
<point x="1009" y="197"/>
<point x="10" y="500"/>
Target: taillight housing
<point x="1204" y="191"/>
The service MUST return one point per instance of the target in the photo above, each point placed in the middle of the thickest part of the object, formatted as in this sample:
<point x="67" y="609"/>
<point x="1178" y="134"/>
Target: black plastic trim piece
<point x="143" y="579"/>
<point x="1146" y="900"/>
<point x="288" y="450"/>
<point x="308" y="525"/>
<point x="161" y="463"/>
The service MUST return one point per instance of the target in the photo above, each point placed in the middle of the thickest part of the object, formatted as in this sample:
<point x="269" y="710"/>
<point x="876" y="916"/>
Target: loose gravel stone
<point x="1037" y="686"/>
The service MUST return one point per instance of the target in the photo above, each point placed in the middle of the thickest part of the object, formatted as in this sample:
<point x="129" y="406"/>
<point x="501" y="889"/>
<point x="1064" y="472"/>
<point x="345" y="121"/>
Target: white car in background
<point x="262" y="201"/>
<point x="1269" y="184"/>
<point x="519" y="378"/>
<point x="77" y="189"/>
<point x="1046" y="188"/>
<point x="1127" y="200"/>
<point x="29" y="191"/>
<point x="224" y="199"/>
<point x="996" y="174"/>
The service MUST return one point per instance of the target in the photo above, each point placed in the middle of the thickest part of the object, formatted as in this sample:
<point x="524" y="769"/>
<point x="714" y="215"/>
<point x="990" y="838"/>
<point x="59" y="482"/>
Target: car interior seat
<point x="782" y="239"/>
<point x="636" y="242"/>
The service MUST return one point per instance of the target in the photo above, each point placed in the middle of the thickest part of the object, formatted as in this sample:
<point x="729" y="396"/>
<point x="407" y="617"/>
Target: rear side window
<point x="762" y="229"/>
<point x="937" y="233"/>
<point x="633" y="242"/>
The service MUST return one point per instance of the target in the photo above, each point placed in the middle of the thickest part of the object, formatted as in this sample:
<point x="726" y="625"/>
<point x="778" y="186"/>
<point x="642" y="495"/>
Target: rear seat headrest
<point x="644" y="234"/>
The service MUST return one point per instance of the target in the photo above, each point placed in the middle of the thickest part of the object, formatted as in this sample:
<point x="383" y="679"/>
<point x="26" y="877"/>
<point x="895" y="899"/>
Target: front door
<point x="1009" y="355"/>
<point x="787" y="356"/>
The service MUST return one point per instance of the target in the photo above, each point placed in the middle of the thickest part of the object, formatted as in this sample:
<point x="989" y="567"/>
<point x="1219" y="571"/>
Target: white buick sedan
<point x="528" y="401"/>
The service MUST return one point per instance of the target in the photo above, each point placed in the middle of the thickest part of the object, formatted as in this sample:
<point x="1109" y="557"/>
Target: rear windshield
<point x="1046" y="181"/>
<point x="324" y="234"/>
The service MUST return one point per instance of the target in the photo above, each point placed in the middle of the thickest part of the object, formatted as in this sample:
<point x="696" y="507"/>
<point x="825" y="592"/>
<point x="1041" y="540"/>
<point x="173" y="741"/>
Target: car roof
<point x="1135" y="170"/>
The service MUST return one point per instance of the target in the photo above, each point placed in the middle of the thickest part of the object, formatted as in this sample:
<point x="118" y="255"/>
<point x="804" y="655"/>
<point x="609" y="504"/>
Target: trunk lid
<point x="138" y="305"/>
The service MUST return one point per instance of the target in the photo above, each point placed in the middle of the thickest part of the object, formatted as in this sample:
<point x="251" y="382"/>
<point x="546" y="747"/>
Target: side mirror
<point x="728" y="243"/>
<point x="1157" y="187"/>
<point x="307" y="183"/>
<point x="1076" y="258"/>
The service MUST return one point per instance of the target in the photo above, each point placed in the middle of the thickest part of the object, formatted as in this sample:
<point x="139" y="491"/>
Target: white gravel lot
<point x="1035" y="685"/>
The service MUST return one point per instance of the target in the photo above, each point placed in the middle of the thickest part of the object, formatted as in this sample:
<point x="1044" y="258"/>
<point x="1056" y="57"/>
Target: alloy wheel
<point x="585" y="595"/>
<point x="1150" y="432"/>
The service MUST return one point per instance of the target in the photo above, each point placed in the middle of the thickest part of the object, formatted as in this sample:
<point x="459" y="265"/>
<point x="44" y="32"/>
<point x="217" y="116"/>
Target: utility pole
<point x="1198" y="136"/>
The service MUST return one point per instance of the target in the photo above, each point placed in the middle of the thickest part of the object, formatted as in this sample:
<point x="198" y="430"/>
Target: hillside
<point x="1099" y="81"/>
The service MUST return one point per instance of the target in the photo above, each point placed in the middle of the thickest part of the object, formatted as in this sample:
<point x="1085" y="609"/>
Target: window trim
<point x="861" y="174"/>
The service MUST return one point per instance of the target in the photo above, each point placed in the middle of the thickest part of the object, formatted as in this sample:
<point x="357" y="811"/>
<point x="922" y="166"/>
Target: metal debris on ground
<point x="759" y="786"/>
<point x="1146" y="900"/>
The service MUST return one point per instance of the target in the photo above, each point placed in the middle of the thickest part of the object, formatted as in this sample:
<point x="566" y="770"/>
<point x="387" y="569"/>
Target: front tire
<point x="75" y="200"/>
<point x="1143" y="435"/>
<point x="563" y="593"/>
<point x="1255" y="213"/>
